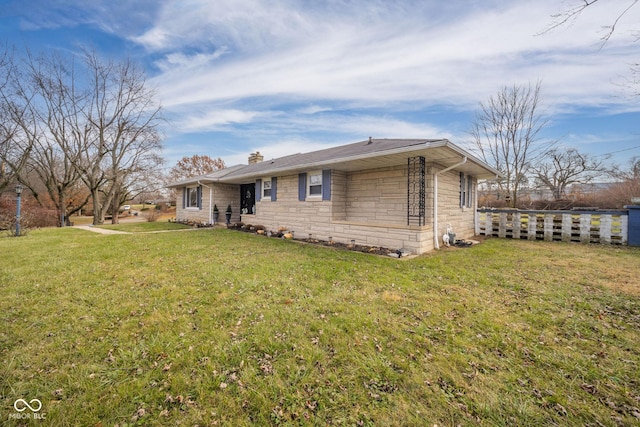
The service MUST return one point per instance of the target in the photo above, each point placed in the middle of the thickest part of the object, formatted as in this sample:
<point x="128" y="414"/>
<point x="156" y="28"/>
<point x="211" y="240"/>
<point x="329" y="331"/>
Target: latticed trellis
<point x="416" y="209"/>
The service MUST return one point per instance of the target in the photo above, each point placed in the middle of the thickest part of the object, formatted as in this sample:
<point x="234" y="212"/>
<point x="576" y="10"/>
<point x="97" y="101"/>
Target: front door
<point x="248" y="199"/>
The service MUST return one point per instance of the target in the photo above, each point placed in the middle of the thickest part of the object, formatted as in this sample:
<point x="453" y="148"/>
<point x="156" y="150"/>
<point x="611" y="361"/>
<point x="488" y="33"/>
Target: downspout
<point x="436" y="243"/>
<point x="476" y="226"/>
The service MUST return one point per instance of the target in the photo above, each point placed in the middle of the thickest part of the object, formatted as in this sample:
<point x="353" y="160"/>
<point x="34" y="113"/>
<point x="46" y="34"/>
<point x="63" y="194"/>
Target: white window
<point x="466" y="190"/>
<point x="192" y="197"/>
<point x="266" y="189"/>
<point x="314" y="184"/>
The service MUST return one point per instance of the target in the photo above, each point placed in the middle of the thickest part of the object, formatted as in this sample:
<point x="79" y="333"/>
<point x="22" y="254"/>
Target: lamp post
<point x="18" y="201"/>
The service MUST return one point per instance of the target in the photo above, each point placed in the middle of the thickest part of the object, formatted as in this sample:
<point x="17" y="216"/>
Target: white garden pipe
<point x="436" y="234"/>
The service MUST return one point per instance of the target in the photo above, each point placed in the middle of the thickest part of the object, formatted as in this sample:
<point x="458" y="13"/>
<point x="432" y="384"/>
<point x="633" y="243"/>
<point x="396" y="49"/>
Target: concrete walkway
<point x="99" y="230"/>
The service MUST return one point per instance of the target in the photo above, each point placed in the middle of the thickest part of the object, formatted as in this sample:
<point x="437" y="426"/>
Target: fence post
<point x="585" y="228"/>
<point x="488" y="225"/>
<point x="502" y="230"/>
<point x="633" y="236"/>
<point x="605" y="228"/>
<point x="567" y="221"/>
<point x="548" y="227"/>
<point x="533" y="226"/>
<point x="624" y="229"/>
<point x="517" y="225"/>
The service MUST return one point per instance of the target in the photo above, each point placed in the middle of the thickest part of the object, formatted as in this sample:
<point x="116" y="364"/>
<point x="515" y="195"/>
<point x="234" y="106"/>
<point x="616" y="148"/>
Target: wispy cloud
<point x="121" y="17"/>
<point x="293" y="73"/>
<point x="347" y="66"/>
<point x="214" y="120"/>
<point x="291" y="133"/>
<point x="377" y="58"/>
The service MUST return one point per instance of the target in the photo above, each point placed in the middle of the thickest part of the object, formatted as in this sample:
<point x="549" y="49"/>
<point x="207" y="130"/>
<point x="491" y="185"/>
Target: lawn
<point x="215" y="327"/>
<point x="145" y="227"/>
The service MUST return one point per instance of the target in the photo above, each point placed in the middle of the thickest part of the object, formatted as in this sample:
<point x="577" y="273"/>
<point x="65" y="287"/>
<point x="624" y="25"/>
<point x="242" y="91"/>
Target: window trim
<point x="310" y="175"/>
<point x="264" y="196"/>
<point x="466" y="190"/>
<point x="187" y="201"/>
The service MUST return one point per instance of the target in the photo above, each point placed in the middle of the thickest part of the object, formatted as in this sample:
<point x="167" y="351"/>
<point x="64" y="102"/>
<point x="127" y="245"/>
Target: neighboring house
<point x="380" y="192"/>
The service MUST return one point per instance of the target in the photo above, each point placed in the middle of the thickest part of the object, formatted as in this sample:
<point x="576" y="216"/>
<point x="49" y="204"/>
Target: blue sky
<point x="287" y="76"/>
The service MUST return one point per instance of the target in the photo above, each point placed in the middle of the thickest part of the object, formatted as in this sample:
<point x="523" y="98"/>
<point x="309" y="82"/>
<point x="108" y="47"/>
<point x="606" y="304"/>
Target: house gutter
<point x="436" y="244"/>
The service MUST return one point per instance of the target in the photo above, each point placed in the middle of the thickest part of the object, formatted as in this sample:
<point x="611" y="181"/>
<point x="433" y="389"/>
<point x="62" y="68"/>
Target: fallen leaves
<point x="265" y="365"/>
<point x="141" y="412"/>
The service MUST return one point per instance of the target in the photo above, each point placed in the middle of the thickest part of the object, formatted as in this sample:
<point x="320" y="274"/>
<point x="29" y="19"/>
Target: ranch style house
<point x="394" y="193"/>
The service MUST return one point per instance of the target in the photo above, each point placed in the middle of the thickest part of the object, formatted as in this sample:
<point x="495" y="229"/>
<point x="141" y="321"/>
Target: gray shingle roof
<point x="329" y="155"/>
<point x="350" y="156"/>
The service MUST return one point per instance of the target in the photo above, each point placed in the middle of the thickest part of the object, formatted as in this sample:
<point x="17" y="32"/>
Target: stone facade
<point x="221" y="195"/>
<point x="368" y="206"/>
<point x="462" y="219"/>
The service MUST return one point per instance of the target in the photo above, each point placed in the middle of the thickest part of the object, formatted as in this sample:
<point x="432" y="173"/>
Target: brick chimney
<point x="255" y="158"/>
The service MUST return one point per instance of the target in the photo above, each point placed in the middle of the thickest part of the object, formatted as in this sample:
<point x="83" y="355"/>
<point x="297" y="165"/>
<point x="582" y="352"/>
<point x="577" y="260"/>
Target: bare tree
<point x="142" y="185"/>
<point x="63" y="121"/>
<point x="562" y="168"/>
<point x="55" y="149"/>
<point x="565" y="16"/>
<point x="570" y="14"/>
<point x="629" y="173"/>
<point x="119" y="132"/>
<point x="15" y="143"/>
<point x="506" y="132"/>
<point x="195" y="165"/>
<point x="627" y="183"/>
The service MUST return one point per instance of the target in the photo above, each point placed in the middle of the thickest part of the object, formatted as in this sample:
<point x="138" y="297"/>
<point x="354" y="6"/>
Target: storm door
<point x="248" y="199"/>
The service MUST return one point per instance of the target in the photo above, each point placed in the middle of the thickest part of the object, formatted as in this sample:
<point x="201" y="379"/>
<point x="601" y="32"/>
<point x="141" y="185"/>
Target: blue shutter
<point x="199" y="195"/>
<point x="258" y="189"/>
<point x="469" y="191"/>
<point x="184" y="197"/>
<point x="302" y="186"/>
<point x="462" y="190"/>
<point x="326" y="184"/>
<point x="274" y="189"/>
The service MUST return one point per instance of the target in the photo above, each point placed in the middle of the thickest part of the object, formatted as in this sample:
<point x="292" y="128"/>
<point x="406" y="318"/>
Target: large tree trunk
<point x="98" y="211"/>
<point x="115" y="208"/>
<point x="62" y="210"/>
